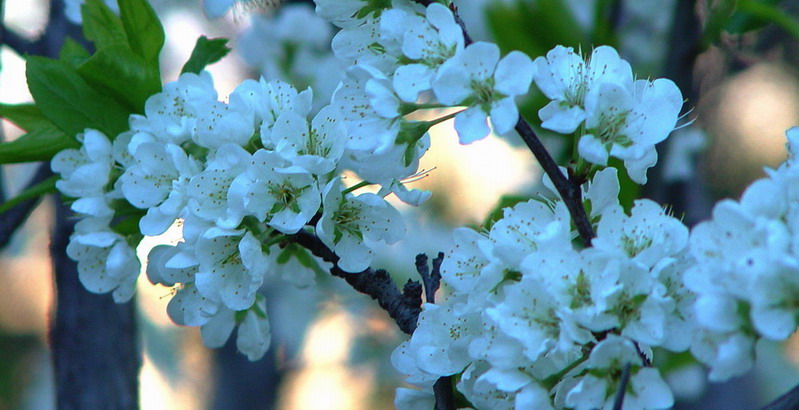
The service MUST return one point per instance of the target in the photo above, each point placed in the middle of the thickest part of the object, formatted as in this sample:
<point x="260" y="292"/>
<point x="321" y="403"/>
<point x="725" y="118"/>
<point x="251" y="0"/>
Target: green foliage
<point x="67" y="100"/>
<point x="73" y="53"/>
<point x="45" y="187"/>
<point x="756" y="14"/>
<point x="122" y="74"/>
<point x="629" y="190"/>
<point x="101" y="26"/>
<point x="82" y="90"/>
<point x="206" y="52"/>
<point x="125" y="66"/>
<point x="41" y="144"/>
<point x="534" y="27"/>
<point x="25" y="116"/>
<point x="144" y="30"/>
<point x="604" y="32"/>
<point x="742" y="16"/>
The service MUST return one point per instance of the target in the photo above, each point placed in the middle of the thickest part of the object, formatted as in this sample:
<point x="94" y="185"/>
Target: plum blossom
<point x="478" y="79"/>
<point x="85" y="173"/>
<point x="566" y="79"/>
<point x="347" y="221"/>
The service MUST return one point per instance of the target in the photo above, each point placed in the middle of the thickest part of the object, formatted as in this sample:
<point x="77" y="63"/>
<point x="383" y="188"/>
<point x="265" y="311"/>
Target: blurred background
<point x="331" y="346"/>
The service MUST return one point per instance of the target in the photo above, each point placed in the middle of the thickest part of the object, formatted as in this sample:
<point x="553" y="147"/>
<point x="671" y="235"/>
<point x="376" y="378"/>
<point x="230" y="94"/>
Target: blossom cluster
<point x="538" y="322"/>
<point x="534" y="321"/>
<point x="746" y="270"/>
<point x="239" y="178"/>
<point x="610" y="112"/>
<point x="532" y="318"/>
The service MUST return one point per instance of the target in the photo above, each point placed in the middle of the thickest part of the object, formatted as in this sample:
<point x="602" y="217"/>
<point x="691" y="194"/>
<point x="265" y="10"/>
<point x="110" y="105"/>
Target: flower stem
<point x="356" y="187"/>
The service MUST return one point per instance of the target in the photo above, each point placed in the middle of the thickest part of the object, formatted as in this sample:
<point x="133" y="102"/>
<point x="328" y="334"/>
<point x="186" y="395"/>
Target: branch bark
<point x="404" y="307"/>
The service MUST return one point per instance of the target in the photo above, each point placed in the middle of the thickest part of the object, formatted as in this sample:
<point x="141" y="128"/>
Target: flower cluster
<point x="610" y="113"/>
<point x="533" y="318"/>
<point x="535" y="322"/>
<point x="240" y="178"/>
<point x="746" y="270"/>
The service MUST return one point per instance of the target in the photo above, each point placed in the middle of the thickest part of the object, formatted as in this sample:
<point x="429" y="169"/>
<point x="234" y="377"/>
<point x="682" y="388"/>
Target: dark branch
<point x="568" y="190"/>
<point x="787" y="401"/>
<point x="431" y="281"/>
<point x="625" y="380"/>
<point x="403" y="307"/>
<point x="19" y="44"/>
<point x="14" y="218"/>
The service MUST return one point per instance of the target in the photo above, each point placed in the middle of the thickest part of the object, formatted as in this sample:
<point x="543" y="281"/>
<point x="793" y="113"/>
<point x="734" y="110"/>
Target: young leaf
<point x="41" y="144"/>
<point x="144" y="29"/>
<point x="206" y="52"/>
<point x="70" y="102"/>
<point x="101" y="26"/>
<point x="45" y="187"/>
<point x="25" y="116"/>
<point x="73" y="52"/>
<point x="124" y="74"/>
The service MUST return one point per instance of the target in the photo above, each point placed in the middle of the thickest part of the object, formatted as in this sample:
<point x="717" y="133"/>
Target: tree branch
<point x="20" y="45"/>
<point x="568" y="190"/>
<point x="618" y="401"/>
<point x="403" y="307"/>
<point x="787" y="401"/>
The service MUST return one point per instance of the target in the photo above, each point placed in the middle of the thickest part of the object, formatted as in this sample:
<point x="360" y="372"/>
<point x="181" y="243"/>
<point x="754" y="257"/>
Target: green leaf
<point x="629" y="190"/>
<point x="144" y="29"/>
<point x="101" y="26"/>
<point x="25" y="116"/>
<point x="73" y="52"/>
<point x="128" y="225"/>
<point x="45" y="187"/>
<point x="40" y="144"/>
<point x="206" y="52"/>
<point x="534" y="27"/>
<point x="123" y="74"/>
<point x="718" y="17"/>
<point x="756" y="14"/>
<point x="70" y="102"/>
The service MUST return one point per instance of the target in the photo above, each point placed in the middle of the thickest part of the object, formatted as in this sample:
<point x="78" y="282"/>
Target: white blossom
<point x="478" y="79"/>
<point x="348" y="220"/>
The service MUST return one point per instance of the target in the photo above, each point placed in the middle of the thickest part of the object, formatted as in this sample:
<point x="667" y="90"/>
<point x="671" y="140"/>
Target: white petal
<point x="504" y="115"/>
<point x="514" y="74"/>
<point x="593" y="150"/>
<point x="559" y="118"/>
<point x="471" y="125"/>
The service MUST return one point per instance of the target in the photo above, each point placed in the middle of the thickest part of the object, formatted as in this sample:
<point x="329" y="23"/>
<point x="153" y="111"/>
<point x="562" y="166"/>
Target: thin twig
<point x="403" y="307"/>
<point x="618" y="401"/>
<point x="19" y="44"/>
<point x="569" y="191"/>
<point x="430" y="280"/>
<point x="787" y="401"/>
